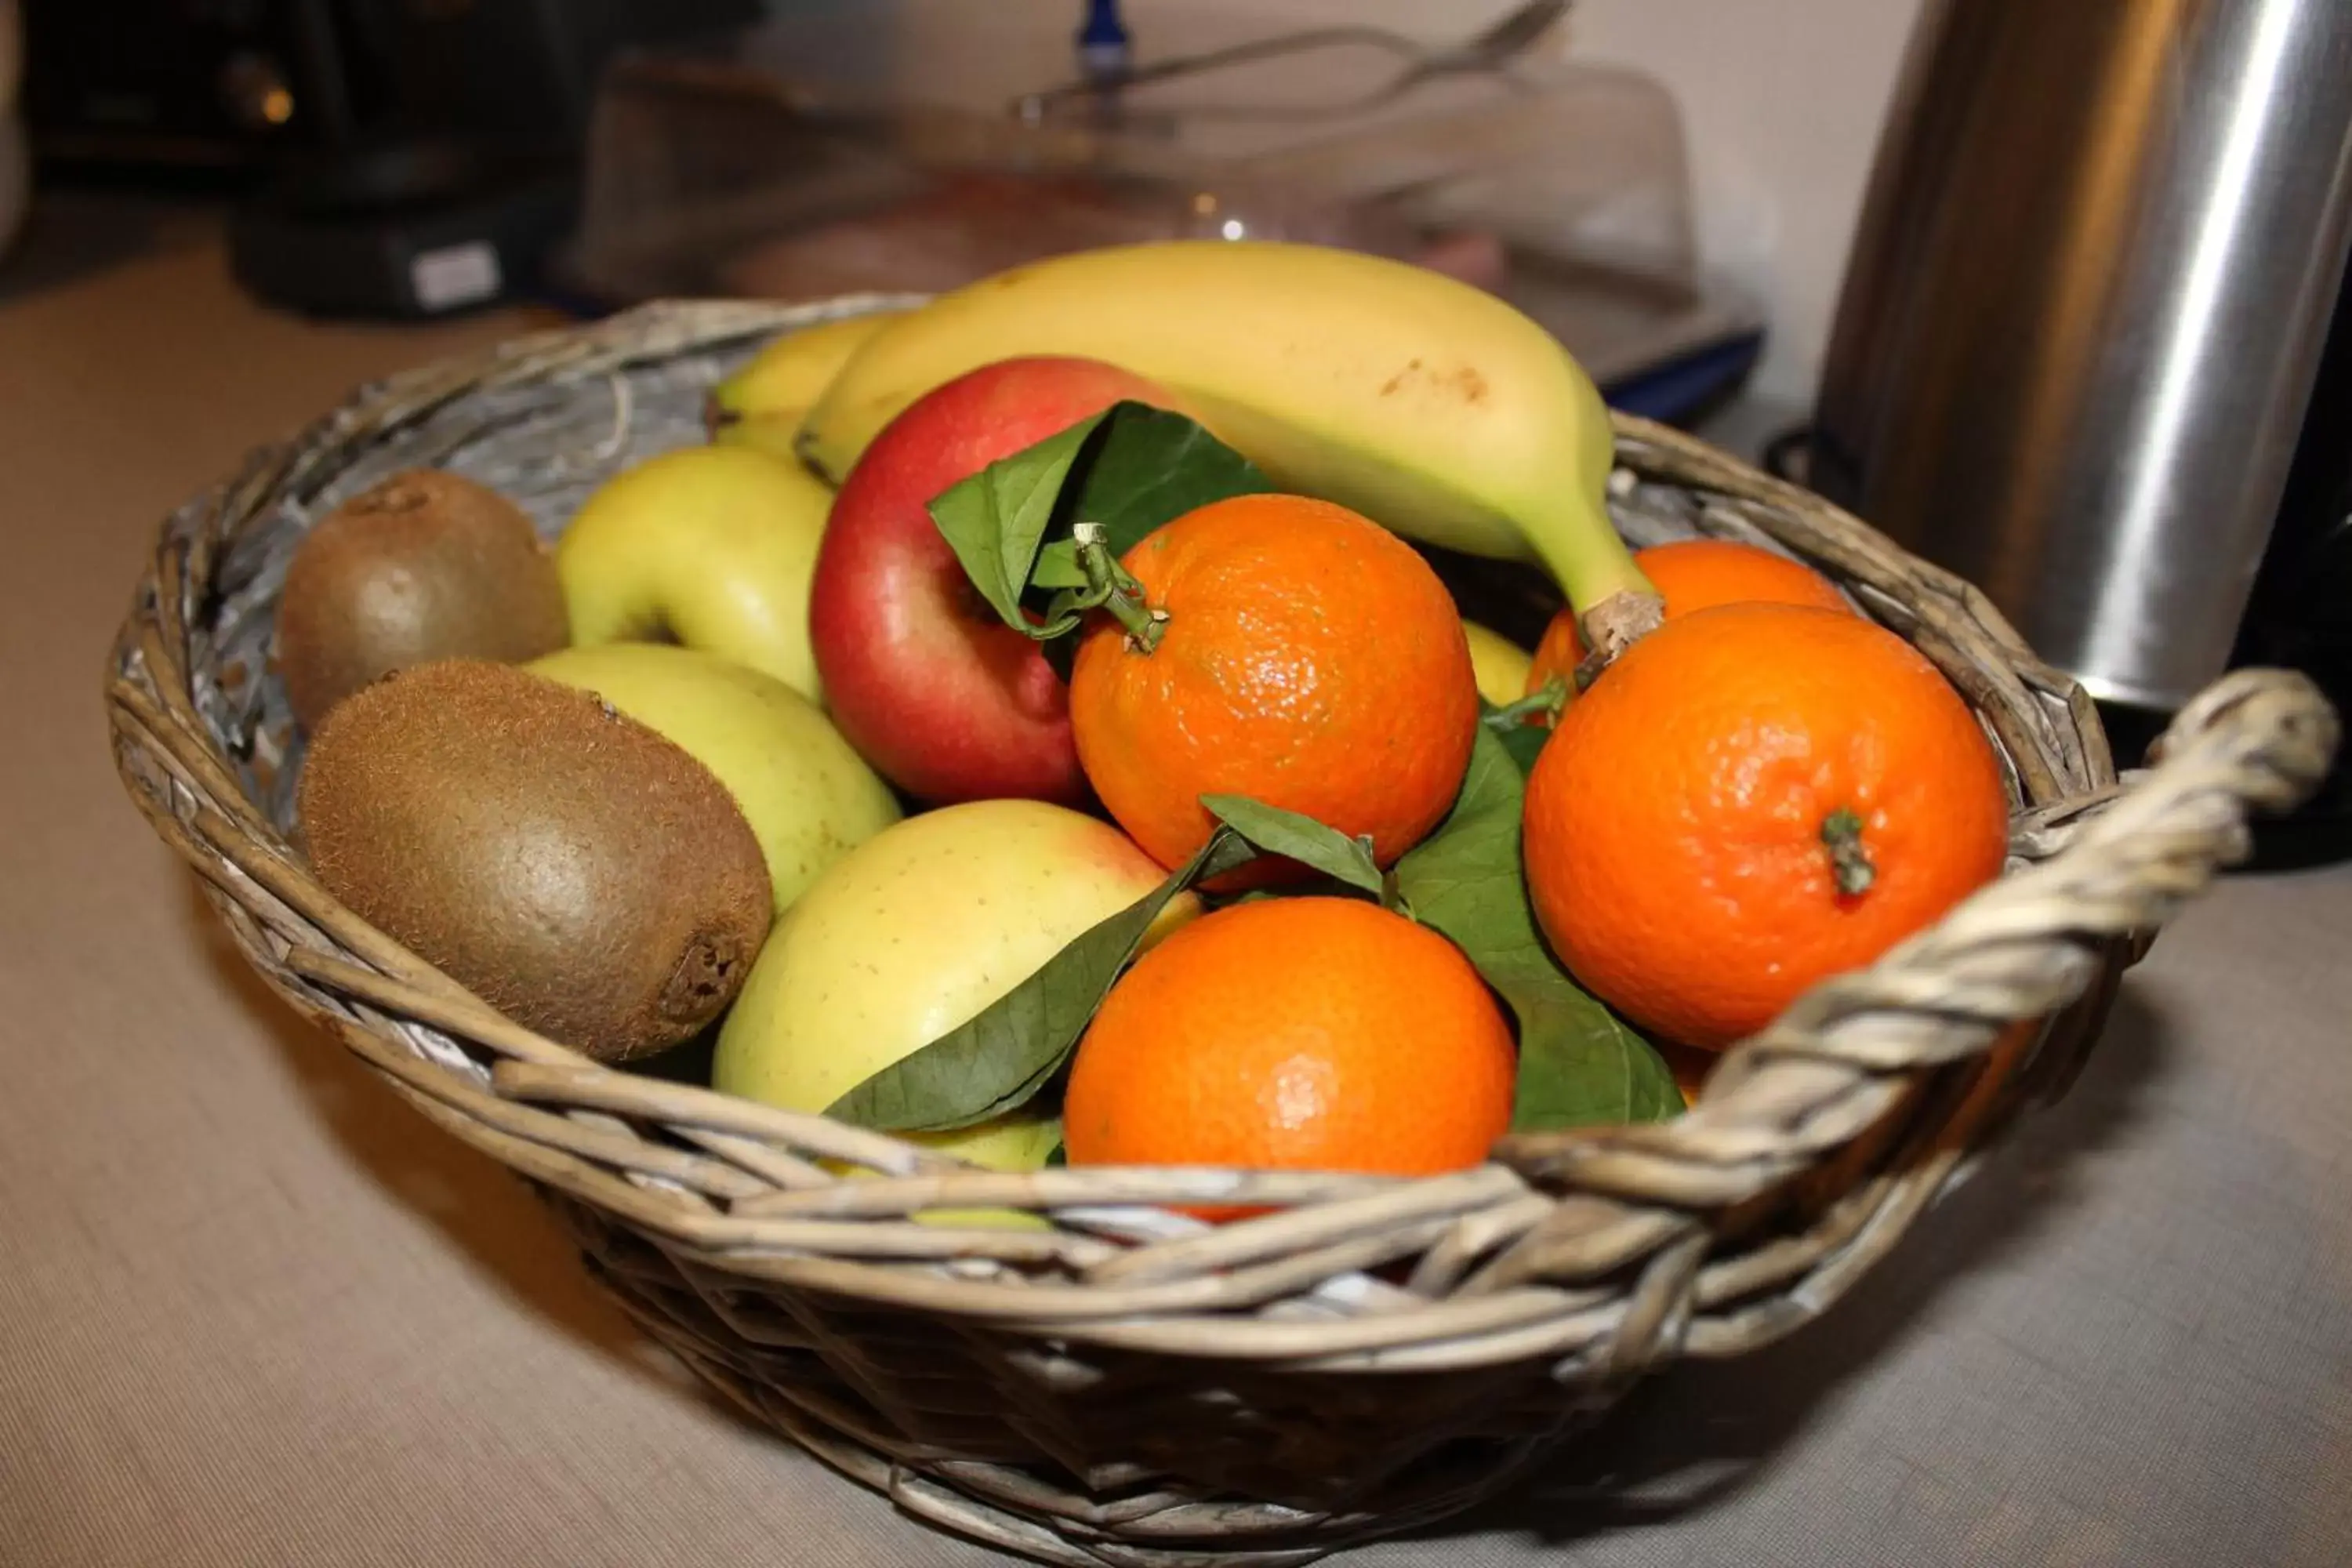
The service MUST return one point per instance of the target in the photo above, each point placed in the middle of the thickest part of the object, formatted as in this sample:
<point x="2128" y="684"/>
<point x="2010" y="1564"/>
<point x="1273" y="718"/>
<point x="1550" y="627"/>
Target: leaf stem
<point x="1545" y="703"/>
<point x="1119" y="593"/>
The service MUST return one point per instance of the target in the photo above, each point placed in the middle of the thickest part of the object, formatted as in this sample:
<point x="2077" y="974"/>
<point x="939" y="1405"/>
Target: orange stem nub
<point x="1849" y="861"/>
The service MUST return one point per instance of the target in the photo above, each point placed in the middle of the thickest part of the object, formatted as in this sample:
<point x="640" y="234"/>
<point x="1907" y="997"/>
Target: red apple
<point x="940" y="695"/>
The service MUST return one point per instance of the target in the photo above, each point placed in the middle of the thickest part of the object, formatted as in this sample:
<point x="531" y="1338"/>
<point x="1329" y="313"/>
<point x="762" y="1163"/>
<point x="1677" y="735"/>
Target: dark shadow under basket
<point x="1125" y="1386"/>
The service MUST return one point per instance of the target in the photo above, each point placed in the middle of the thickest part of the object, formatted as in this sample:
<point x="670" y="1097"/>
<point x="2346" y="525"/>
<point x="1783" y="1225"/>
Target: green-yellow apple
<point x="915" y="932"/>
<point x="810" y="799"/>
<point x="708" y="546"/>
<point x="762" y="403"/>
<point x="1500" y="664"/>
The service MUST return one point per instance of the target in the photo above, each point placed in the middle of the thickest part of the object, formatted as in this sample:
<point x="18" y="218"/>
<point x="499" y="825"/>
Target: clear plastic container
<point x="916" y="144"/>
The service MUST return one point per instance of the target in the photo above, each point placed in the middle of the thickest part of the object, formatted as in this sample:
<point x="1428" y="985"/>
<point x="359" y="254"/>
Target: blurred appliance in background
<point x="400" y="156"/>
<point x="855" y="145"/>
<point x="139" y="86"/>
<point x="2093" y="349"/>
<point x="204" y="86"/>
<point x="15" y="159"/>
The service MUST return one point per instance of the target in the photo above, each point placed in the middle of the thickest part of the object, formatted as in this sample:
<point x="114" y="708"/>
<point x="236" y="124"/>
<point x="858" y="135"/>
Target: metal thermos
<point x="2101" y="250"/>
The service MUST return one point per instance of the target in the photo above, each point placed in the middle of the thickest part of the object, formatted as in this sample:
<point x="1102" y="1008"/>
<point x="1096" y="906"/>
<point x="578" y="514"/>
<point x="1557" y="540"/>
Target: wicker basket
<point x="1127" y="1386"/>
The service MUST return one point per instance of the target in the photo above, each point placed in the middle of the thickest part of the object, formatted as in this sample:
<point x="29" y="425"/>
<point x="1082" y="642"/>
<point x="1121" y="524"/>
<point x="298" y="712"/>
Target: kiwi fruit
<point x="424" y="565"/>
<point x="563" y="862"/>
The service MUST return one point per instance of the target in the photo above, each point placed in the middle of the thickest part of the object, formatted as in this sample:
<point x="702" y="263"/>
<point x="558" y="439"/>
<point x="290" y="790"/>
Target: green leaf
<point x="1152" y="467"/>
<point x="995" y="521"/>
<point x="1299" y="838"/>
<point x="1130" y="469"/>
<point x="1579" y="1066"/>
<point x="1516" y="723"/>
<point x="1058" y="566"/>
<point x="1522" y="738"/>
<point x="1523" y="743"/>
<point x="1587" y="1068"/>
<point x="997" y="1061"/>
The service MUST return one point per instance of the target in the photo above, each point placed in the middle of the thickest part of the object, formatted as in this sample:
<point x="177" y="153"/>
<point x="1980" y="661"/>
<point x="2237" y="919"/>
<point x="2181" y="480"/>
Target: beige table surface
<point x="253" y="1310"/>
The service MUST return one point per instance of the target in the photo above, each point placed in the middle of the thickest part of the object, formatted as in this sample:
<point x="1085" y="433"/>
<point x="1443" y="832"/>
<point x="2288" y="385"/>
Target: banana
<point x="1427" y="404"/>
<point x="762" y="404"/>
<point x="1500" y="664"/>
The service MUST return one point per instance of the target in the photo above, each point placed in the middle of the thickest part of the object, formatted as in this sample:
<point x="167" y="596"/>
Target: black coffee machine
<point x="394" y="157"/>
<point x="2093" y="349"/>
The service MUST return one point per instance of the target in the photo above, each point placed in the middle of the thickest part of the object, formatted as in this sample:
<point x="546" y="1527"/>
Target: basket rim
<point x="1604" y="1244"/>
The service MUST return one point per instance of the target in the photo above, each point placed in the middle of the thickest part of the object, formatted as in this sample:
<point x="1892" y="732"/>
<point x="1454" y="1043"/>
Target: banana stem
<point x="1115" y="589"/>
<point x="1616" y="606"/>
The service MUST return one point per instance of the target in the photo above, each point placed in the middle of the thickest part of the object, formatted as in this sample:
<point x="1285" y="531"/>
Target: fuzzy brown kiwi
<point x="426" y="565"/>
<point x="564" y="863"/>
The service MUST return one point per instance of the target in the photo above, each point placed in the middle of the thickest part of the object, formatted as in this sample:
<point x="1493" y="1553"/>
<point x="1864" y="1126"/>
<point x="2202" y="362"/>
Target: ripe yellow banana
<point x="1430" y="406"/>
<point x="762" y="404"/>
<point x="1500" y="664"/>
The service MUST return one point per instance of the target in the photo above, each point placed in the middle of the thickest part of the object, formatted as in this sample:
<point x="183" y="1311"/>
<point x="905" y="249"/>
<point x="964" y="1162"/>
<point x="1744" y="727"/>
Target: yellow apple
<point x="915" y="932"/>
<point x="1501" y="665"/>
<point x="708" y="546"/>
<point x="762" y="403"/>
<point x="810" y="799"/>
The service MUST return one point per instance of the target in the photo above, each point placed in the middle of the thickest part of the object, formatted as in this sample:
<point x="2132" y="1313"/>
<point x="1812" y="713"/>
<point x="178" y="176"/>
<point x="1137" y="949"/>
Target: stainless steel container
<point x="2101" y="250"/>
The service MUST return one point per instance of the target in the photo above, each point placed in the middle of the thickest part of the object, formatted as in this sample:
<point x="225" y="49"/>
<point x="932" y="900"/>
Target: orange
<point x="1319" y="1034"/>
<point x="1693" y="574"/>
<point x="1308" y="659"/>
<point x="1751" y="798"/>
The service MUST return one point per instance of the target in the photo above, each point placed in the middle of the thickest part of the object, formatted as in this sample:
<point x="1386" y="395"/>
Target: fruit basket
<point x="1116" y="1383"/>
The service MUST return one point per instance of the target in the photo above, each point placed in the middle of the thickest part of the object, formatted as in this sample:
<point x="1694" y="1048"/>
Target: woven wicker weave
<point x="1127" y="1386"/>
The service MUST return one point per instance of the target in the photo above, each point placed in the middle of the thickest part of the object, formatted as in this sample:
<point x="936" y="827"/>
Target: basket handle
<point x="2258" y="740"/>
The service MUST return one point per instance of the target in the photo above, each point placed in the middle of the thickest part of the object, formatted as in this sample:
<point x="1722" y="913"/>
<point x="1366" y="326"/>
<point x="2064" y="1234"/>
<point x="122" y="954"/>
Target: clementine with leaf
<point x="1281" y="648"/>
<point x="1751" y="798"/>
<point x="1320" y="1033"/>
